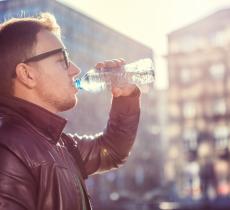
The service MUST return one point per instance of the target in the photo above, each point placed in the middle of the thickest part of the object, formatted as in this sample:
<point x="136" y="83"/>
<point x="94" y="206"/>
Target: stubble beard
<point x="65" y="104"/>
<point x="58" y="103"/>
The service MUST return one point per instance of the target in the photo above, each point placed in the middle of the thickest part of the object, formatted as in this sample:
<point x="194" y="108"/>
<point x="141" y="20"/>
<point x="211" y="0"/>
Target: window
<point x="190" y="139"/>
<point x="174" y="110"/>
<point x="219" y="106"/>
<point x="221" y="134"/>
<point x="185" y="75"/>
<point x="173" y="130"/>
<point x="217" y="71"/>
<point x="189" y="110"/>
<point x="190" y="44"/>
<point x="221" y="38"/>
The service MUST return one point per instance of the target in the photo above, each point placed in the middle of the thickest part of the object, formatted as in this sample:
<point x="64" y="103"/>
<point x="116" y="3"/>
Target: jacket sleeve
<point x="111" y="148"/>
<point x="16" y="190"/>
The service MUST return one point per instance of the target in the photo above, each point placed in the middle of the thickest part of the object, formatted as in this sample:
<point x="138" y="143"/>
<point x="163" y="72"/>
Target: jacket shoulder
<point x="20" y="139"/>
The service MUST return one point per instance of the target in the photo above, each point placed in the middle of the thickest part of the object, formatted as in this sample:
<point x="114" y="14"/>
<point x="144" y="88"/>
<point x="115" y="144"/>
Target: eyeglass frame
<point x="48" y="54"/>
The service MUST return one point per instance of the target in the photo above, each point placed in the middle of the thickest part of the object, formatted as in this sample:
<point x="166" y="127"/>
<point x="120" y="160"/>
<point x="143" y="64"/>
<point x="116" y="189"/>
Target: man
<point x="41" y="167"/>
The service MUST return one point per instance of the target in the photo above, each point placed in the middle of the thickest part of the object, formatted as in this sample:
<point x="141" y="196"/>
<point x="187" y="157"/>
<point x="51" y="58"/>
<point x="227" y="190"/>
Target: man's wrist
<point x="127" y="104"/>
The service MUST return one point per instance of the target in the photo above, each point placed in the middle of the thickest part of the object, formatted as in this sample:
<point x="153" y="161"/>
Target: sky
<point x="149" y="21"/>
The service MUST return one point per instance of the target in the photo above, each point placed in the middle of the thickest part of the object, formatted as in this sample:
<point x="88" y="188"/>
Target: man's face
<point x="55" y="87"/>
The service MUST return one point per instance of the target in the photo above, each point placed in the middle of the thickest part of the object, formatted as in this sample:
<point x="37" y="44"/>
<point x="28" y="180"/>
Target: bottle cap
<point x="78" y="84"/>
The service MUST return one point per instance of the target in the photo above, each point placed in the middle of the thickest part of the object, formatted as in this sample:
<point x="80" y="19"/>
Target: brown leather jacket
<point x="37" y="172"/>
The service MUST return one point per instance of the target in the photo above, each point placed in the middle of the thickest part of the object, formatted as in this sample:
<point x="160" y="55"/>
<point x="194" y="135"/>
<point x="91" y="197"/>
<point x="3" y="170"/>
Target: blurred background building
<point x="198" y="108"/>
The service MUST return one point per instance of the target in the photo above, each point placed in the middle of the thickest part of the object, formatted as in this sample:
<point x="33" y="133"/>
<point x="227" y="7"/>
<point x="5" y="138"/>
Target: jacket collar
<point x="51" y="125"/>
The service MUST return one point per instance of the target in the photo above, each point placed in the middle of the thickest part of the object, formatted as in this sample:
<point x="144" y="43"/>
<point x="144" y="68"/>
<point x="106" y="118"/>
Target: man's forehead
<point x="47" y="41"/>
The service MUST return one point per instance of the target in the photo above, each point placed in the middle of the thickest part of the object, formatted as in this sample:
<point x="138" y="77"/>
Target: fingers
<point x="114" y="63"/>
<point x="99" y="65"/>
<point x="118" y="62"/>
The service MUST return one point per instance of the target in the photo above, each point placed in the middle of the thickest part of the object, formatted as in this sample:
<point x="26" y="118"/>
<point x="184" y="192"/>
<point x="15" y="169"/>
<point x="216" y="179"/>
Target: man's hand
<point x="125" y="90"/>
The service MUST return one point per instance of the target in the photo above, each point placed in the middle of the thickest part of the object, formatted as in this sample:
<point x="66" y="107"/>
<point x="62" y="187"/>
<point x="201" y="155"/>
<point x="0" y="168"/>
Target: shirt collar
<point x="46" y="122"/>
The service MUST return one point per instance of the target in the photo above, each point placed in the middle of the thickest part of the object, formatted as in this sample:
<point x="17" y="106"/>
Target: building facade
<point x="199" y="107"/>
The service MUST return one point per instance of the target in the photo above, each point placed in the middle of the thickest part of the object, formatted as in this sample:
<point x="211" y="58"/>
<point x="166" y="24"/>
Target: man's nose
<point x="74" y="69"/>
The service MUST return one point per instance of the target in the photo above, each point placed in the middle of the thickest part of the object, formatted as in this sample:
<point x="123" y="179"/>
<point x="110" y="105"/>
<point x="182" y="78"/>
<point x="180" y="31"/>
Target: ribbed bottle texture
<point x="140" y="73"/>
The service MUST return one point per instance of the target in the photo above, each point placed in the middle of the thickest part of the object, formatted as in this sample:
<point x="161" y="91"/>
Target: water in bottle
<point x="140" y="73"/>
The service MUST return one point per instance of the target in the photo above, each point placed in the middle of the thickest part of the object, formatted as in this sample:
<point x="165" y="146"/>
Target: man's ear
<point x="25" y="75"/>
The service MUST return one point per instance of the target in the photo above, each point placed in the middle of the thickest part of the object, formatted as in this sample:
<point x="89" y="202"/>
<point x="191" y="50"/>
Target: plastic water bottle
<point x="140" y="72"/>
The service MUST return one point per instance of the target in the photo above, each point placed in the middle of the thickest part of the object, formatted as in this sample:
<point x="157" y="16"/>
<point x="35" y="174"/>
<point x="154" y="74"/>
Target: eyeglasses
<point x="48" y="54"/>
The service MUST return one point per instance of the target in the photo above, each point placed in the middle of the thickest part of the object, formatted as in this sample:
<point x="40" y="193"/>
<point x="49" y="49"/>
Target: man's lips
<point x="74" y="86"/>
